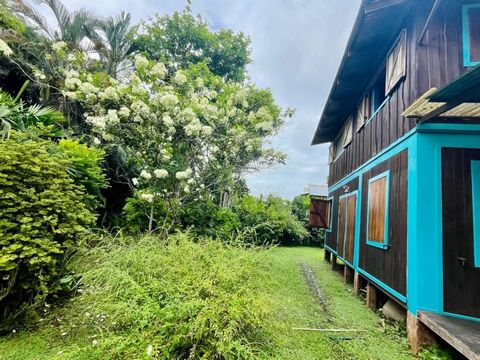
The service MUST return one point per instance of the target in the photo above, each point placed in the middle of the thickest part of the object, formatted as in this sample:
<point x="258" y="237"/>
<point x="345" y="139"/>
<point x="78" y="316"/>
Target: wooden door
<point x="346" y="227"/>
<point x="350" y="227"/>
<point x="342" y="219"/>
<point x="461" y="274"/>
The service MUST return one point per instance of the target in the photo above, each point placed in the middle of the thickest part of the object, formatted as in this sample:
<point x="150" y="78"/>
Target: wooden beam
<point x="418" y="334"/>
<point x="371" y="296"/>
<point x="432" y="14"/>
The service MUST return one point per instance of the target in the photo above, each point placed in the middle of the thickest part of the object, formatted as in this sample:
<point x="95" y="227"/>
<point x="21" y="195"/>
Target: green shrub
<point x="208" y="219"/>
<point x="269" y="221"/>
<point x="84" y="165"/>
<point x="179" y="298"/>
<point x="41" y="214"/>
<point x="301" y="210"/>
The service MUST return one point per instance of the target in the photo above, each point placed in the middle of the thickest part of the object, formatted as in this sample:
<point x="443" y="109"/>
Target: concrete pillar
<point x="418" y="334"/>
<point x="371" y="296"/>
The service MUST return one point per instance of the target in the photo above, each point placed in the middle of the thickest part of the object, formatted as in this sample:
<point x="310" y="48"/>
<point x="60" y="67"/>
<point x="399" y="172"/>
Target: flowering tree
<point x="192" y="133"/>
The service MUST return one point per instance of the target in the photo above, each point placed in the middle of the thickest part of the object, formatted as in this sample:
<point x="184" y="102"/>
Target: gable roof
<point x="375" y="28"/>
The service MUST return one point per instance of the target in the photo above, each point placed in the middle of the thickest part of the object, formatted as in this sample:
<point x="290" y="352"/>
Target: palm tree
<point x="73" y="27"/>
<point x="117" y="42"/>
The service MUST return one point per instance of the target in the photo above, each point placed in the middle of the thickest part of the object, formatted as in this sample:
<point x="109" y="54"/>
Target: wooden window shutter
<point x="377" y="210"/>
<point x="348" y="132"/>
<point x="361" y="115"/>
<point x="320" y="212"/>
<point x="396" y="62"/>
<point x="331" y="153"/>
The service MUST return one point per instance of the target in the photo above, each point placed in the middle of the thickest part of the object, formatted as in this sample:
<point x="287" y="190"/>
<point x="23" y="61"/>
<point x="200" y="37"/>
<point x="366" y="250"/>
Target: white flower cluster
<point x="98" y="122"/>
<point x="141" y="62"/>
<point x="188" y="115"/>
<point x="145" y="174"/>
<point x="124" y="112"/>
<point x="168" y="101"/>
<point x="160" y="173"/>
<point x="59" y="46"/>
<point x="140" y="108"/>
<point x="5" y="49"/>
<point x="183" y="175"/>
<point x="110" y="93"/>
<point x="264" y="126"/>
<point x="148" y="197"/>
<point x="159" y="71"/>
<point x="88" y="88"/>
<point x="179" y="78"/>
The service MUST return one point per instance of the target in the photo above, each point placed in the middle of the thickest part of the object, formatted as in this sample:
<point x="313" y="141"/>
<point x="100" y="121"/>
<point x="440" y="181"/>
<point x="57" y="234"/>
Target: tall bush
<point x="269" y="221"/>
<point x="42" y="212"/>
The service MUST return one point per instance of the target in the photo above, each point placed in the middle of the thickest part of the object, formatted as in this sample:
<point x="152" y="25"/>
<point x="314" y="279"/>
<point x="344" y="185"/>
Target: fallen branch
<point x="329" y="330"/>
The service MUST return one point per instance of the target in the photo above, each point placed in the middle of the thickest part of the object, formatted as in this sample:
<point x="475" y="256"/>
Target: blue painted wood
<point x="467" y="59"/>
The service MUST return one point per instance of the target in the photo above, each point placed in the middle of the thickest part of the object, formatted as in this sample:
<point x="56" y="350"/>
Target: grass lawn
<point x="291" y="305"/>
<point x="294" y="306"/>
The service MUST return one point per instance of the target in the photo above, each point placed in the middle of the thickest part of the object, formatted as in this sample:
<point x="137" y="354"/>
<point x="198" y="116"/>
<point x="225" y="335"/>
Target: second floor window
<point x="471" y="34"/>
<point x="377" y="94"/>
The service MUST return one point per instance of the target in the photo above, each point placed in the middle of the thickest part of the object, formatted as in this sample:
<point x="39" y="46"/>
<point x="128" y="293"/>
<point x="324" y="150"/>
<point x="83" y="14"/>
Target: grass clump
<point x="148" y="298"/>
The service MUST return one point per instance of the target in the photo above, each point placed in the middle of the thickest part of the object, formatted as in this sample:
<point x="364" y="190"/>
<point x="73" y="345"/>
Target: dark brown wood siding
<point x="331" y="240"/>
<point x="390" y="265"/>
<point x="435" y="62"/>
<point x="461" y="279"/>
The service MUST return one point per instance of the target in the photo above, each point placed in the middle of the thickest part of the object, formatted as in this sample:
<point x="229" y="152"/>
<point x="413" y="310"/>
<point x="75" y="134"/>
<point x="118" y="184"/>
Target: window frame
<point x="475" y="174"/>
<point x="467" y="61"/>
<point x="385" y="245"/>
<point x="330" y="220"/>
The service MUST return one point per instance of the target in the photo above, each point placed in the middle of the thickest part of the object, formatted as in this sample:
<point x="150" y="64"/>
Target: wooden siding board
<point x="436" y="62"/>
<point x="389" y="266"/>
<point x="331" y="239"/>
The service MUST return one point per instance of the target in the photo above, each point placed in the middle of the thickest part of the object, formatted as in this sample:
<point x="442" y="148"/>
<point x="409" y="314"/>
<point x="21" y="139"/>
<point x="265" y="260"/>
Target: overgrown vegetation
<point x="42" y="215"/>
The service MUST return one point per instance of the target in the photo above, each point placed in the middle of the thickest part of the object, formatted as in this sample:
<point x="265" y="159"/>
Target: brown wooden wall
<point x="390" y="265"/>
<point x="461" y="281"/>
<point x="331" y="240"/>
<point x="437" y="61"/>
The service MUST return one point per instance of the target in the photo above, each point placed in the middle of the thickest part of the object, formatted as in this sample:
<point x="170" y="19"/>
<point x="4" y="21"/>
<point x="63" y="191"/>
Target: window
<point x="348" y="132"/>
<point x="377" y="211"/>
<point x="471" y="34"/>
<point x="476" y="210"/>
<point x="396" y="62"/>
<point x="361" y="115"/>
<point x="320" y="213"/>
<point x="377" y="94"/>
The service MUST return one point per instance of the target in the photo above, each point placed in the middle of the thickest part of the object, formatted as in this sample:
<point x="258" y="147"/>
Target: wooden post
<point x="418" y="334"/>
<point x="356" y="283"/>
<point x="334" y="262"/>
<point x="371" y="296"/>
<point x="348" y="275"/>
<point x="327" y="255"/>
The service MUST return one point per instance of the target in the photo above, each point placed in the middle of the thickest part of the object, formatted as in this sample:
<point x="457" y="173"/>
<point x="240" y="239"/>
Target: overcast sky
<point x="296" y="49"/>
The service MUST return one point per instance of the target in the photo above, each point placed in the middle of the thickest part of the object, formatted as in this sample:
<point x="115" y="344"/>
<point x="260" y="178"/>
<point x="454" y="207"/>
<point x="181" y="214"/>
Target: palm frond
<point x="29" y="14"/>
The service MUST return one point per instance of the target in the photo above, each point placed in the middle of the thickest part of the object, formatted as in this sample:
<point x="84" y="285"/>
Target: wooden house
<point x="403" y="120"/>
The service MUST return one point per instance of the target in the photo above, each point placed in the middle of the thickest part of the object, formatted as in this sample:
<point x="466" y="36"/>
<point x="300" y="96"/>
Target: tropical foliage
<point x="146" y="127"/>
<point x="42" y="215"/>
